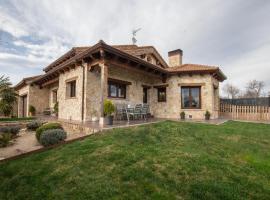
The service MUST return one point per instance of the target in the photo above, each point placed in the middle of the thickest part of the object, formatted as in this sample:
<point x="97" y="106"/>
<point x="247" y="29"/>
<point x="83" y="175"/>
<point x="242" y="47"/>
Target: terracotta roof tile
<point x="192" y="67"/>
<point x="197" y="68"/>
<point x="26" y="80"/>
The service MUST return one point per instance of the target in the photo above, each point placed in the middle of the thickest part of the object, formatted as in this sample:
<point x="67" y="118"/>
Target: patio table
<point x="128" y="111"/>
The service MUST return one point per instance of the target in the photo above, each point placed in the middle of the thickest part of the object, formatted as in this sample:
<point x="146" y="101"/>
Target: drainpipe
<point x="83" y="86"/>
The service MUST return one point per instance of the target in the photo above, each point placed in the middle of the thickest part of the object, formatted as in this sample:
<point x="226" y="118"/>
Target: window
<point x="161" y="92"/>
<point x="116" y="90"/>
<point x="145" y="95"/>
<point x="191" y="97"/>
<point x="71" y="89"/>
<point x="54" y="96"/>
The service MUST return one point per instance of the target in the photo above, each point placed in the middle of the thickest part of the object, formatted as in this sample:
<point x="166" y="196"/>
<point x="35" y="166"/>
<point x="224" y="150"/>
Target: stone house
<point x="81" y="79"/>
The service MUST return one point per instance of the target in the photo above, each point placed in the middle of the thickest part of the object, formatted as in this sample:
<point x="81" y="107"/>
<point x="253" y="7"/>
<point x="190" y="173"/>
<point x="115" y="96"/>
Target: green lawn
<point x="168" y="160"/>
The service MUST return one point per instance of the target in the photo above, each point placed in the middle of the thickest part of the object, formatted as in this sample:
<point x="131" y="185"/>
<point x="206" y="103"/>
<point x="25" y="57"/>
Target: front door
<point x="144" y="95"/>
<point x="24" y="106"/>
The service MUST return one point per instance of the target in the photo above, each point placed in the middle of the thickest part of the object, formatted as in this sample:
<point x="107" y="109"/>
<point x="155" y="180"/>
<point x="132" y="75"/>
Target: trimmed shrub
<point x="5" y="139"/>
<point x="45" y="127"/>
<point x="34" y="125"/>
<point x="207" y="115"/>
<point x="53" y="136"/>
<point x="14" y="130"/>
<point x="182" y="115"/>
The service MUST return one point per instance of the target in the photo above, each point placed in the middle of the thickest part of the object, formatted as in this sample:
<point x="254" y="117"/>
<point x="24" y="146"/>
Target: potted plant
<point x="109" y="109"/>
<point x="207" y="115"/>
<point x="55" y="108"/>
<point x="182" y="115"/>
<point x="32" y="110"/>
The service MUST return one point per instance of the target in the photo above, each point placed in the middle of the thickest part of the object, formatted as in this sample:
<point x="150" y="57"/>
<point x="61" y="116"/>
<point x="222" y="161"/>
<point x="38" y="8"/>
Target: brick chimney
<point x="175" y="57"/>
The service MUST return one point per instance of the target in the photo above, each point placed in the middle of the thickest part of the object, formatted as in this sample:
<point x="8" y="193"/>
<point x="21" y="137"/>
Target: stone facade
<point x="81" y="79"/>
<point x="70" y="108"/>
<point x="90" y="102"/>
<point x="37" y="97"/>
<point x="172" y="107"/>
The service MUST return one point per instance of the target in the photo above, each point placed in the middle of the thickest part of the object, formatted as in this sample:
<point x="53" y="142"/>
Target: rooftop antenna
<point x="134" y="31"/>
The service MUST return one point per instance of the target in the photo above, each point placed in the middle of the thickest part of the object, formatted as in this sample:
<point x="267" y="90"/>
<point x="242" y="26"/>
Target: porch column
<point x="103" y="89"/>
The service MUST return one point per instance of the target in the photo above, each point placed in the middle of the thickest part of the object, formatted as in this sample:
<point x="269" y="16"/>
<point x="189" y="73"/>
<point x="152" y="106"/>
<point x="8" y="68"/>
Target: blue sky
<point x="233" y="34"/>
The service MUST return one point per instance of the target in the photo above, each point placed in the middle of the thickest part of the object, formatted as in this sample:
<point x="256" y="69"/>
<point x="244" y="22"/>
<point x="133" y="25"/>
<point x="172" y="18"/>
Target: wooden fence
<point x="252" y="113"/>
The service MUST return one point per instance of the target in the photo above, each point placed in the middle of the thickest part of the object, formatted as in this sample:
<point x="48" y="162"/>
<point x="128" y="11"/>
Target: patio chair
<point x="120" y="111"/>
<point x="47" y="111"/>
<point x="145" y="111"/>
<point x="136" y="112"/>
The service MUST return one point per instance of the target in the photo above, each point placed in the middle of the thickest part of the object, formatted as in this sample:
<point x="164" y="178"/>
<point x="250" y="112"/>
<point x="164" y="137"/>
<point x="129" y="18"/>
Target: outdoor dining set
<point x="135" y="112"/>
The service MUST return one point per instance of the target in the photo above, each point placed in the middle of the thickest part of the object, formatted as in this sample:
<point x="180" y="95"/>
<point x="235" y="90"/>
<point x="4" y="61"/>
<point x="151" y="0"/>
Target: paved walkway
<point x="24" y="143"/>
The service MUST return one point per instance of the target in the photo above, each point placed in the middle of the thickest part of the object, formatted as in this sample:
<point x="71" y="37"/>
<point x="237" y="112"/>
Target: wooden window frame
<point x="145" y="95"/>
<point x="158" y="94"/>
<point x="71" y="89"/>
<point x="118" y="85"/>
<point x="190" y="97"/>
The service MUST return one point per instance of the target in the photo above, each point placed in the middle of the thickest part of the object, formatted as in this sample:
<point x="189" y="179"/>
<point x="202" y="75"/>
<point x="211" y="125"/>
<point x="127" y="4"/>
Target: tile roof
<point x="192" y="67"/>
<point x="134" y="49"/>
<point x="26" y="80"/>
<point x="197" y="68"/>
<point x="133" y="52"/>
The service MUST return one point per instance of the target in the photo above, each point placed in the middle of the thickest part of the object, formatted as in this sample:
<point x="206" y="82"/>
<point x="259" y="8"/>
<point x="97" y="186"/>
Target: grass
<point x="167" y="160"/>
<point x="14" y="119"/>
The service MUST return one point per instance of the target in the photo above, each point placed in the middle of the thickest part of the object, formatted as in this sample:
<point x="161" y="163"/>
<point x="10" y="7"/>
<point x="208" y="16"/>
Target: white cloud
<point x="11" y="25"/>
<point x="232" y="34"/>
<point x="254" y="64"/>
<point x="14" y="60"/>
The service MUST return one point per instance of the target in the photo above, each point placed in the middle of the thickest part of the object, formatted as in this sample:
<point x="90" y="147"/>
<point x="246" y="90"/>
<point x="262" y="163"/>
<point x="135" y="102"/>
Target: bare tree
<point x="231" y="91"/>
<point x="254" y="89"/>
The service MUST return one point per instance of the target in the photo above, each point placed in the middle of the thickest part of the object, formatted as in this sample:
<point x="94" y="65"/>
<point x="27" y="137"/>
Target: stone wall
<point x="39" y="98"/>
<point x="172" y="107"/>
<point x="21" y="92"/>
<point x="92" y="95"/>
<point x="70" y="108"/>
<point x="134" y="93"/>
<point x="51" y="89"/>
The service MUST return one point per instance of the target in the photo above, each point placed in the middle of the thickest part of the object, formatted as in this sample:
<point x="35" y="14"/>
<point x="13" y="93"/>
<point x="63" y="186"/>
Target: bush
<point x="14" y="130"/>
<point x="183" y="115"/>
<point x="207" y="115"/>
<point x="5" y="139"/>
<point x="53" y="136"/>
<point x="34" y="125"/>
<point x="109" y="108"/>
<point x="45" y="127"/>
<point x="56" y="108"/>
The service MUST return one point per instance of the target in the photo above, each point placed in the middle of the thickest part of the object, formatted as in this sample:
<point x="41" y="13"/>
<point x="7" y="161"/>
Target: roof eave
<point x="221" y="76"/>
